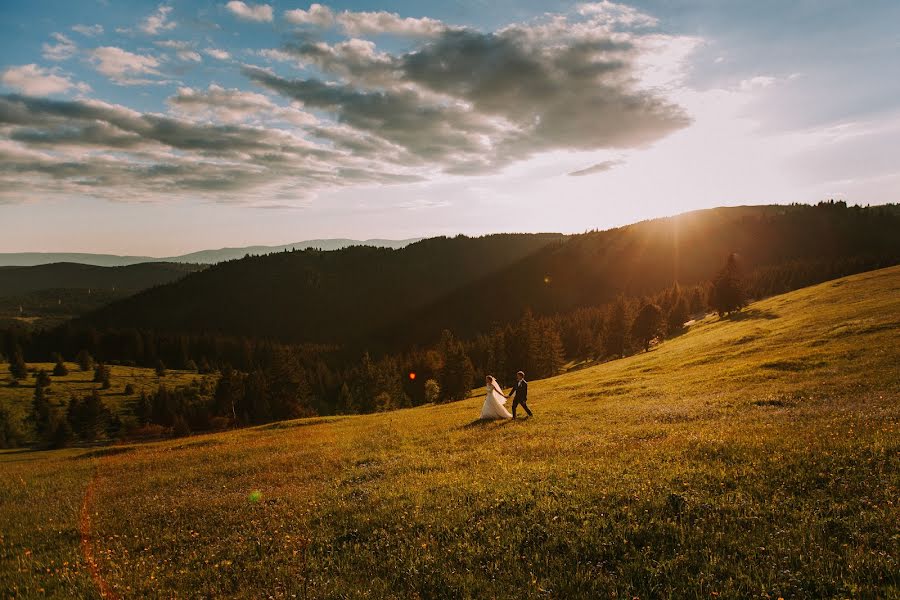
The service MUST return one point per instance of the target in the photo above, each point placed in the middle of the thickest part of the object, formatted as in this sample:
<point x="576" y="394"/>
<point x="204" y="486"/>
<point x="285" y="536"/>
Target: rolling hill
<point x="395" y="298"/>
<point x="15" y="281"/>
<point x="45" y="295"/>
<point x="756" y="455"/>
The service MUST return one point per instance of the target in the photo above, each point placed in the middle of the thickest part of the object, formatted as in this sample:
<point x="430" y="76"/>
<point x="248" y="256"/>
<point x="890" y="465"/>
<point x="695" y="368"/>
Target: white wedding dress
<point x="494" y="403"/>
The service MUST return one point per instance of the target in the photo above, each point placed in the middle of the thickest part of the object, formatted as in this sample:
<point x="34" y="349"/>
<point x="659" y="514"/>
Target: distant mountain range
<point x="207" y="257"/>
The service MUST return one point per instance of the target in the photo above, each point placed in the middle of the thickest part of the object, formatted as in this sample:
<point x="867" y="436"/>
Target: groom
<point x="520" y="389"/>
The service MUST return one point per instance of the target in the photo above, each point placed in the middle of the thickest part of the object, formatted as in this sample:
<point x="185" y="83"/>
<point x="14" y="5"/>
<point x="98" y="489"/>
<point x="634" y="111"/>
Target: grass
<point x="753" y="457"/>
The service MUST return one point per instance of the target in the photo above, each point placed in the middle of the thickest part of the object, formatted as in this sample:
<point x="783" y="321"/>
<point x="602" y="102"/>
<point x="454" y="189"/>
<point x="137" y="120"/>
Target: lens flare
<point x="412" y="376"/>
<point x="255" y="496"/>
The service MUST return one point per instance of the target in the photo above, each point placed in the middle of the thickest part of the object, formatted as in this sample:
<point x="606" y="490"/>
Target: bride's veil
<point x="497" y="388"/>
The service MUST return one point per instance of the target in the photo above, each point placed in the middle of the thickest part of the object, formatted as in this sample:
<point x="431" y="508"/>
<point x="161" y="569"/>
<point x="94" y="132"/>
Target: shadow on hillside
<point x="753" y="314"/>
<point x="482" y="423"/>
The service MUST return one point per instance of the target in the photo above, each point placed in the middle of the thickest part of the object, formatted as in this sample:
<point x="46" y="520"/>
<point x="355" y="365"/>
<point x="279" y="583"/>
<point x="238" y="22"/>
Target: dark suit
<point x="520" y="389"/>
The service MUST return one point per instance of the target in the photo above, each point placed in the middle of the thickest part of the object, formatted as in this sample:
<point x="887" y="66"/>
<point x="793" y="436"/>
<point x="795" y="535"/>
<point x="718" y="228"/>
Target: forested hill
<point x="15" y="281"/>
<point x="391" y="298"/>
<point x="311" y="295"/>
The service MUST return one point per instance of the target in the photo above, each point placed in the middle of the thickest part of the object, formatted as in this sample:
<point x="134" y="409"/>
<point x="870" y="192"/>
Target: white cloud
<point x="381" y="22"/>
<point x="217" y="53"/>
<point x="158" y="21"/>
<point x="316" y="15"/>
<point x="88" y="30"/>
<point x="218" y="104"/>
<point x="261" y="13"/>
<point x="63" y="49"/>
<point x="122" y="66"/>
<point x="365" y="23"/>
<point x="183" y="50"/>
<point x="614" y="14"/>
<point x="37" y="81"/>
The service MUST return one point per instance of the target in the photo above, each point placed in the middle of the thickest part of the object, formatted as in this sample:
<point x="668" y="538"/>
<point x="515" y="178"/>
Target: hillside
<point x="319" y="296"/>
<point x="16" y="281"/>
<point x="754" y="456"/>
<point x="396" y="298"/>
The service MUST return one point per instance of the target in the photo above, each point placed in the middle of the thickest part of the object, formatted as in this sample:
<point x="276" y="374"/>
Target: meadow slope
<point x="750" y="457"/>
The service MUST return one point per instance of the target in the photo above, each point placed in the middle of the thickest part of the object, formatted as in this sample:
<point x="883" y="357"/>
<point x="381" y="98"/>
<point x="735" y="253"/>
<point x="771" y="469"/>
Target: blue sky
<point x="161" y="128"/>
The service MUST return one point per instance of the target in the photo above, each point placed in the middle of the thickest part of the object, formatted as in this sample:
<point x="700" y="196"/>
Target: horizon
<point x="159" y="129"/>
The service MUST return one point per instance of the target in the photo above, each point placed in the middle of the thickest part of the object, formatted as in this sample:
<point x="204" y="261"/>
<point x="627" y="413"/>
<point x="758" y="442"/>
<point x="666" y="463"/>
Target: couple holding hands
<point x="495" y="402"/>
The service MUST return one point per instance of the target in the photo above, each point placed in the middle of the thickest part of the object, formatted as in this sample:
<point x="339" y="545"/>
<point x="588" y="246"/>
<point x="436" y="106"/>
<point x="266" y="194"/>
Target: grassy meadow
<point x="751" y="457"/>
<point x="80" y="383"/>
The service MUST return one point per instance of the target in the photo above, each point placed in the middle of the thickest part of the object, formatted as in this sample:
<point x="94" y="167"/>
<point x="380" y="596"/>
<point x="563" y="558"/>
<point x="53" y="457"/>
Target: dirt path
<point x="87" y="545"/>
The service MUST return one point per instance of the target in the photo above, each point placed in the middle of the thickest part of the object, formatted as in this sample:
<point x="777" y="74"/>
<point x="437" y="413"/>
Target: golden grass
<point x="750" y="457"/>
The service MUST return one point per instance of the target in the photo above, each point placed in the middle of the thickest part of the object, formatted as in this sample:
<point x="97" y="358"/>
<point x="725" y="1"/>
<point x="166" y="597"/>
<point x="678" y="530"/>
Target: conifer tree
<point x="41" y="412"/>
<point x="456" y="376"/>
<point x="647" y="325"/>
<point x="727" y="294"/>
<point x="60" y="369"/>
<point x="17" y="367"/>
<point x="615" y="336"/>
<point x="85" y="360"/>
<point x="678" y="315"/>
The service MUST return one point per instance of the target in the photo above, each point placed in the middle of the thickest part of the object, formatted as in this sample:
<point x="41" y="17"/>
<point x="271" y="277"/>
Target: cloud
<point x="88" y="30"/>
<point x="381" y="22"/>
<point x="614" y="15"/>
<point x="109" y="151"/>
<point x="217" y="53"/>
<point x="37" y="81"/>
<point x="218" y="104"/>
<point x="63" y="49"/>
<point x="598" y="168"/>
<point x="453" y="100"/>
<point x="261" y="13"/>
<point x="468" y="101"/>
<point x="123" y="67"/>
<point x="318" y="15"/>
<point x="365" y="23"/>
<point x="183" y="50"/>
<point x="158" y="21"/>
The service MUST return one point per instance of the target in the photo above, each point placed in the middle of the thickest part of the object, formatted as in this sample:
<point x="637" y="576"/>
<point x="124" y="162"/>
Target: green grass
<point x="753" y="457"/>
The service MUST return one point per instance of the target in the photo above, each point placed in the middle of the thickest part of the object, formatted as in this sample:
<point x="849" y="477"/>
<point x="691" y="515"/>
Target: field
<point x="80" y="383"/>
<point x="751" y="457"/>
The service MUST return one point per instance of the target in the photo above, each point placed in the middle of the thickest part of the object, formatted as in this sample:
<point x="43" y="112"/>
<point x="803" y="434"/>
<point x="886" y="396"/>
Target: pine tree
<point x="552" y="356"/>
<point x="60" y="369"/>
<point x="41" y="412"/>
<point x="17" y="367"/>
<point x="42" y="378"/>
<point x="615" y="336"/>
<point x="455" y="379"/>
<point x="102" y="376"/>
<point x="85" y="360"/>
<point x="678" y="315"/>
<point x="727" y="294"/>
<point x="142" y="410"/>
<point x="647" y="325"/>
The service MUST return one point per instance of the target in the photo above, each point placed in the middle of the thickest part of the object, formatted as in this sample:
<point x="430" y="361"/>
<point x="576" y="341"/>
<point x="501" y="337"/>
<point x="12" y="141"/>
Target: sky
<point x="150" y="128"/>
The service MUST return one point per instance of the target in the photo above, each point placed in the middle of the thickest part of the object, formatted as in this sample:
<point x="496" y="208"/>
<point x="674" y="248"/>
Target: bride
<point x="494" y="402"/>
